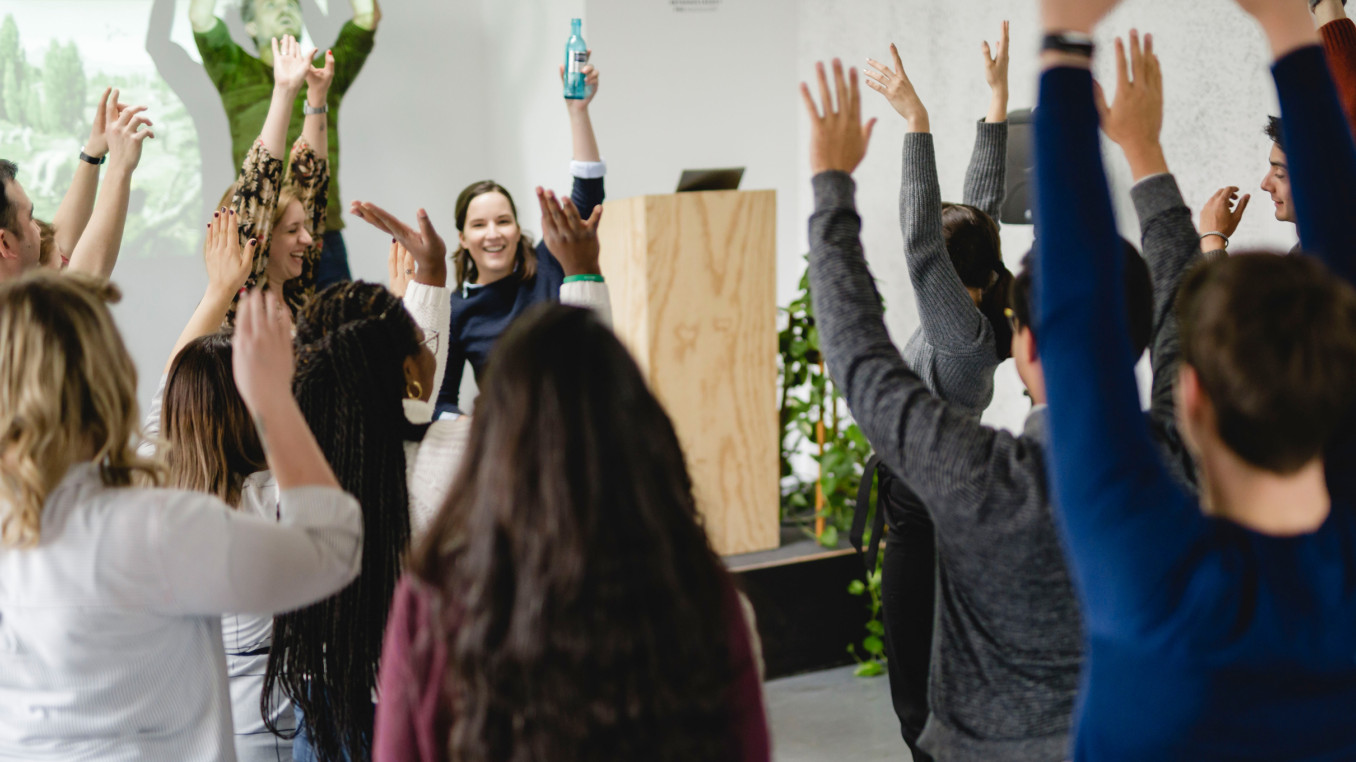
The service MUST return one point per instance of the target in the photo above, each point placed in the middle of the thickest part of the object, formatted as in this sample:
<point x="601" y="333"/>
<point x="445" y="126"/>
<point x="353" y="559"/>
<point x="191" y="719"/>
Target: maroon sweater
<point x="1339" y="45"/>
<point x="412" y="724"/>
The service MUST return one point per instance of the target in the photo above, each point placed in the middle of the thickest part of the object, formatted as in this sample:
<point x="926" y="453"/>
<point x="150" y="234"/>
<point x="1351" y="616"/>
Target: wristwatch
<point x="1314" y="4"/>
<point x="91" y="160"/>
<point x="308" y="110"/>
<point x="1069" y="42"/>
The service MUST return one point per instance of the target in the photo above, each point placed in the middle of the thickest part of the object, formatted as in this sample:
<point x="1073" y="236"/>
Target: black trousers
<point x="908" y="584"/>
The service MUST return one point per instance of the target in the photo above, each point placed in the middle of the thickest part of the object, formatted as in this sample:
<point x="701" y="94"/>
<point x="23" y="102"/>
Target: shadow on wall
<point x="194" y="88"/>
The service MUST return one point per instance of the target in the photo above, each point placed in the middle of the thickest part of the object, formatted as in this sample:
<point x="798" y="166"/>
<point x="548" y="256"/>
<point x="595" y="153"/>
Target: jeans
<point x="301" y="744"/>
<point x="333" y="261"/>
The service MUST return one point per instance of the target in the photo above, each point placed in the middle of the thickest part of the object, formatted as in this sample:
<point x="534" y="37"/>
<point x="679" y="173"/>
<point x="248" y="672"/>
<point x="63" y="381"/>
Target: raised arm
<point x="986" y="178"/>
<point x="923" y="439"/>
<point x="573" y="241"/>
<point x="1339" y="44"/>
<point x="950" y="321"/>
<point x="97" y="250"/>
<point x="78" y="203"/>
<point x="425" y="293"/>
<point x="217" y="561"/>
<point x="202" y="14"/>
<point x="587" y="165"/>
<point x="1134" y="121"/>
<point x="310" y="167"/>
<point x="1115" y="498"/>
<point x="261" y="176"/>
<point x="1321" y="157"/>
<point x="228" y="266"/>
<point x="1320" y="153"/>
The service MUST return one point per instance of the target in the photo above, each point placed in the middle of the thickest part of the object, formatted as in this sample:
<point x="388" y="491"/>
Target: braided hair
<point x="351" y="342"/>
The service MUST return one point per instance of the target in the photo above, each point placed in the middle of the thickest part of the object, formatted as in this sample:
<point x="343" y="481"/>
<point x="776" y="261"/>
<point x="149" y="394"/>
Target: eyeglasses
<point x="1012" y="318"/>
<point x="431" y="341"/>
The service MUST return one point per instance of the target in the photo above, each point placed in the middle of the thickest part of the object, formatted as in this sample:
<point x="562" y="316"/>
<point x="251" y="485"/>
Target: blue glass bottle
<point x="576" y="55"/>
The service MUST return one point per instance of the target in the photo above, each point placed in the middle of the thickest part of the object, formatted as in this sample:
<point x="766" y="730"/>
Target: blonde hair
<point x="66" y="382"/>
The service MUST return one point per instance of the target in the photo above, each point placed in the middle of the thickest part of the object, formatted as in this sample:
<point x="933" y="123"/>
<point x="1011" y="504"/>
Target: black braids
<point x="351" y="342"/>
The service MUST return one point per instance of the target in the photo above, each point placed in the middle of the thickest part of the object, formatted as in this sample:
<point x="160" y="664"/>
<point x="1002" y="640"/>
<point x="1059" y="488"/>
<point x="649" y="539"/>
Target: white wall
<point x="1218" y="93"/>
<point x="459" y="91"/>
<point x="701" y="84"/>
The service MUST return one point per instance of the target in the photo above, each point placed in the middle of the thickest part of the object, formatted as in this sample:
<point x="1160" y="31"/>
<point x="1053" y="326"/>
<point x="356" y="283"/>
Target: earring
<point x="413" y="389"/>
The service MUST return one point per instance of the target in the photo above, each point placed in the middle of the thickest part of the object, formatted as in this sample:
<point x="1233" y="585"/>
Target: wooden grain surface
<point x="693" y="282"/>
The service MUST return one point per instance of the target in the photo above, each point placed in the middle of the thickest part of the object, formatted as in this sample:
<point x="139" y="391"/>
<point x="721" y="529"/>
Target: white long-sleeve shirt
<point x="110" y="629"/>
<point x="432" y="464"/>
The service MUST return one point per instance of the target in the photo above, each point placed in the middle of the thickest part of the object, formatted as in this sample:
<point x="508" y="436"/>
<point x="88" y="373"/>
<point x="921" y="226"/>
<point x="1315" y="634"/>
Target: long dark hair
<point x="976" y="252"/>
<point x="463" y="267"/>
<point x="585" y="612"/>
<point x="213" y="444"/>
<point x="351" y="342"/>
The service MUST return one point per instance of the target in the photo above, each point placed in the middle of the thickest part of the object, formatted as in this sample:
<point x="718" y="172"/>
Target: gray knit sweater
<point x="1007" y="648"/>
<point x="953" y="348"/>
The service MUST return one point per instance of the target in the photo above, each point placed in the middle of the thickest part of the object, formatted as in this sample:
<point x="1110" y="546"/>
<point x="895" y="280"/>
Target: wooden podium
<point x="693" y="282"/>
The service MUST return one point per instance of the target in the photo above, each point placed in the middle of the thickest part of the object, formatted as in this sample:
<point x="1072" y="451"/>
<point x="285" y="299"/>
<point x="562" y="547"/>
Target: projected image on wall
<point x="56" y="59"/>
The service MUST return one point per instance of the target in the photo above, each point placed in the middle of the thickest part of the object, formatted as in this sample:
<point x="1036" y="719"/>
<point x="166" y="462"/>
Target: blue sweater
<point x="1205" y="640"/>
<point x="481" y="313"/>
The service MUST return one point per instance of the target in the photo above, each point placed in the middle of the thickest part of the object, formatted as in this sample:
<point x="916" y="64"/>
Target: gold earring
<point x="414" y="390"/>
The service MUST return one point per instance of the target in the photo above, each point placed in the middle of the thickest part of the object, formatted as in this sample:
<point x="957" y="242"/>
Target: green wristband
<point x="587" y="278"/>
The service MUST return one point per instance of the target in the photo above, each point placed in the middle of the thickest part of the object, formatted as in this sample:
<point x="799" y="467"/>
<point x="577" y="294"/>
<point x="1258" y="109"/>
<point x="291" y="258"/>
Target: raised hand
<point x="1135" y="119"/>
<point x="400" y="268"/>
<point x="290" y="64"/>
<point x="262" y="359"/>
<point x="425" y="245"/>
<point x="228" y="263"/>
<point x="318" y="79"/>
<point x="572" y="240"/>
<point x="590" y="73"/>
<point x="996" y="74"/>
<point x="838" y="139"/>
<point x="123" y="132"/>
<point x="1220" y="218"/>
<point x="894" y="84"/>
<point x="97" y="146"/>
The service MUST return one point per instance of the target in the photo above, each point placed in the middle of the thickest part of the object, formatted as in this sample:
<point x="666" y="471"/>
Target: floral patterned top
<point x="256" y="198"/>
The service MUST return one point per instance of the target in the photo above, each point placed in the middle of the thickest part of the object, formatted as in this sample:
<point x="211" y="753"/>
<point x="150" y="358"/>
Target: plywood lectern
<point x="693" y="282"/>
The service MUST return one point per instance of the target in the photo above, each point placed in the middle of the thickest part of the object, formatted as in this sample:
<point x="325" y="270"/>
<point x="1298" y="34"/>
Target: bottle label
<point x="576" y="62"/>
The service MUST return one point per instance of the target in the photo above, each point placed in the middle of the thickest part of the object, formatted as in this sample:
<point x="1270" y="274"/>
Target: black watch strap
<point x="91" y="160"/>
<point x="1314" y="4"/>
<point x="1069" y="42"/>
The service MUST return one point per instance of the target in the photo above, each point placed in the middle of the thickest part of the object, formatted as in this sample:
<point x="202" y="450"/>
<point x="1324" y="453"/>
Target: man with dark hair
<point x="246" y="85"/>
<point x="1277" y="180"/>
<point x="20" y="239"/>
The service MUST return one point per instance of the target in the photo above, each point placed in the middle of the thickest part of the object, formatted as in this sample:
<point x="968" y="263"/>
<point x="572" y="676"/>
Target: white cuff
<point x="588" y="170"/>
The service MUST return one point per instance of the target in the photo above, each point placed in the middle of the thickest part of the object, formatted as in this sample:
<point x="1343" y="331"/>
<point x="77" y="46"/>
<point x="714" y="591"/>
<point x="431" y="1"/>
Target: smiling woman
<point x="498" y="271"/>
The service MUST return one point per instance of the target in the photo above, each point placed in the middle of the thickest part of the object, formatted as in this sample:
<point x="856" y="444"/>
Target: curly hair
<point x="351" y="342"/>
<point x="582" y="600"/>
<point x="66" y="384"/>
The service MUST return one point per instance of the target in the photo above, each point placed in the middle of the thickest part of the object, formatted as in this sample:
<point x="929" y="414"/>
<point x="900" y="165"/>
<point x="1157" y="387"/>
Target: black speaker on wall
<point x="1017" y="203"/>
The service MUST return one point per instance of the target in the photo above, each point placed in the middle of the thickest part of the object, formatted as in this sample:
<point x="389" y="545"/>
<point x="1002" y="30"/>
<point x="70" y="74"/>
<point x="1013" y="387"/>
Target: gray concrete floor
<point x="833" y="715"/>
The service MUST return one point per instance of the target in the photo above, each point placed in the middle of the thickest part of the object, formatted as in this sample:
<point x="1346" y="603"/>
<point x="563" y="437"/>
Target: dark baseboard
<point x="806" y="617"/>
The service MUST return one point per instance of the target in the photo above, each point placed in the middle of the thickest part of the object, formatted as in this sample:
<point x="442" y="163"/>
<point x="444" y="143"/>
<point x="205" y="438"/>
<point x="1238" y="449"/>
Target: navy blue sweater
<point x="1205" y="640"/>
<point x="481" y="313"/>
